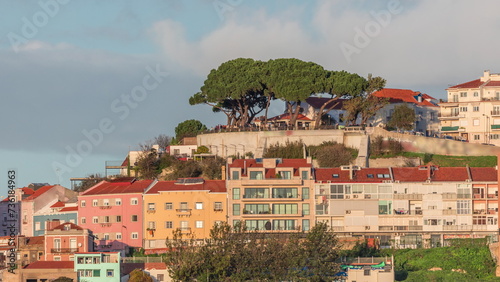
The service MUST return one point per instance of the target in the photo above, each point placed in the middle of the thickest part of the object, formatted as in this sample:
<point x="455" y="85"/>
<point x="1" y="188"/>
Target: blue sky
<point x="66" y="66"/>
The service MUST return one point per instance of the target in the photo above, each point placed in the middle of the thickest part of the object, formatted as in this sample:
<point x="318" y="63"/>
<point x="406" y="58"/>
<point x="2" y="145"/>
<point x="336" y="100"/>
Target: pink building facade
<point x="113" y="212"/>
<point x="64" y="240"/>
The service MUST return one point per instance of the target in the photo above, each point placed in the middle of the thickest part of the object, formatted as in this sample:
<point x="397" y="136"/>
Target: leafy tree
<point x="138" y="275"/>
<point x="89" y="181"/>
<point x="340" y="84"/>
<point x="403" y="117"/>
<point x="290" y="150"/>
<point x="236" y="254"/>
<point x="212" y="167"/>
<point x="188" y="128"/>
<point x="366" y="104"/>
<point x="236" y="89"/>
<point x="331" y="154"/>
<point x="162" y="140"/>
<point x="292" y="81"/>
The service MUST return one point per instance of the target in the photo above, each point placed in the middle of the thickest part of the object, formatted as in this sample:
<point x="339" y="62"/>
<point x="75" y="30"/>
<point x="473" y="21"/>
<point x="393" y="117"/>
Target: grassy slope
<point x="450" y="161"/>
<point x="474" y="259"/>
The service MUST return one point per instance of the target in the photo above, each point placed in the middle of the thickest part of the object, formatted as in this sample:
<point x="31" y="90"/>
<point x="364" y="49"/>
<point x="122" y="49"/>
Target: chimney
<point x="429" y="172"/>
<point x="223" y="170"/>
<point x="486" y="76"/>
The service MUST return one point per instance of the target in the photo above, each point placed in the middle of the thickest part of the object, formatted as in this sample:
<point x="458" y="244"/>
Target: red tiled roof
<point x="28" y="191"/>
<point x="155" y="265"/>
<point x="39" y="192"/>
<point x="58" y="204"/>
<point x="493" y="83"/>
<point x="295" y="163"/>
<point x="318" y="102"/>
<point x="107" y="187"/>
<point x="50" y="265"/>
<point x="69" y="209"/>
<point x="450" y="174"/>
<point x="214" y="186"/>
<point x="484" y="174"/>
<point x="471" y="84"/>
<point x="37" y="240"/>
<point x="365" y="175"/>
<point x="126" y="161"/>
<point x="404" y="95"/>
<point x="72" y="226"/>
<point x="286" y="116"/>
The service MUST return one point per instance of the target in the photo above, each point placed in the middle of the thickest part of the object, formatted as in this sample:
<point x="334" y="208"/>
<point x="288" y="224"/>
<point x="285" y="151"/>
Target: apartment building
<point x="97" y="267"/>
<point x="112" y="210"/>
<point x="62" y="241"/>
<point x="408" y="206"/>
<point x="59" y="211"/>
<point x="472" y="111"/>
<point x="192" y="205"/>
<point x="271" y="194"/>
<point x="10" y="208"/>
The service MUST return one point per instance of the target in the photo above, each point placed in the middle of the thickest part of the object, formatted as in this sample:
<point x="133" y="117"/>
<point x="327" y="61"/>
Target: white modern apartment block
<point x="411" y="207"/>
<point x="473" y="110"/>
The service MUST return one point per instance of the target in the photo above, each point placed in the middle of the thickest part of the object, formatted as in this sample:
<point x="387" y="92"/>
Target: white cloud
<point x="428" y="44"/>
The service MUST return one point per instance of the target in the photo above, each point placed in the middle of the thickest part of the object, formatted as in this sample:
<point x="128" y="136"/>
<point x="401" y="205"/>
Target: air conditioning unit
<point x="348" y="211"/>
<point x="347" y="196"/>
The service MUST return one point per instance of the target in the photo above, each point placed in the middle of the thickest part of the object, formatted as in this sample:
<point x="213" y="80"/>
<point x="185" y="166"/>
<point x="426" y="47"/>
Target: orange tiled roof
<point x="286" y="116"/>
<point x="72" y="226"/>
<point x="217" y="186"/>
<point x="66" y="209"/>
<point x="365" y="175"/>
<point x="51" y="265"/>
<point x="125" y="187"/>
<point x="58" y="204"/>
<point x="471" y="84"/>
<point x="404" y="95"/>
<point x="39" y="192"/>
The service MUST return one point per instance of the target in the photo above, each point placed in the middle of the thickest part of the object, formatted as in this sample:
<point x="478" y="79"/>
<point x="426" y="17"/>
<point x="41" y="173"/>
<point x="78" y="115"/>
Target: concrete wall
<point x="414" y="143"/>
<point x="232" y="143"/>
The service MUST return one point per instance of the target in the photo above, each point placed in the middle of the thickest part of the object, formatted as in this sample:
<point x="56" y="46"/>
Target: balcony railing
<point x="452" y="115"/>
<point x="105" y="207"/>
<point x="495" y="113"/>
<point x="63" y="250"/>
<point x="151" y="211"/>
<point x="183" y="210"/>
<point x="408" y="212"/>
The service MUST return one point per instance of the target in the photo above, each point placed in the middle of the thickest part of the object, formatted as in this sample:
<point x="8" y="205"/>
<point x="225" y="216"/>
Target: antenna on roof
<point x="133" y="180"/>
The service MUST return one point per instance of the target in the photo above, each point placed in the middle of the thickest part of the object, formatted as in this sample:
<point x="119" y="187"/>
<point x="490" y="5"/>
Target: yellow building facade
<point x="192" y="205"/>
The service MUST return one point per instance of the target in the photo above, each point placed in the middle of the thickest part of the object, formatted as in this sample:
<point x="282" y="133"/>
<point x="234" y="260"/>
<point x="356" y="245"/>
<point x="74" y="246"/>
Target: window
<point x="284" y="224"/>
<point x="57" y="258"/>
<point x="151" y="206"/>
<point x="258" y="224"/>
<point x="254" y="193"/>
<point x="256" y="175"/>
<point x="256" y="209"/>
<point x="284" y="192"/>
<point x="236" y="209"/>
<point x="494" y="136"/>
<point x="152" y="224"/>
<point x="118" y="218"/>
<point x="305" y="209"/>
<point x="305" y="175"/>
<point x="479" y="220"/>
<point x="218" y="206"/>
<point x="118" y="236"/>
<point x="463" y="109"/>
<point x="169" y="206"/>
<point x="160" y="277"/>
<point x="199" y="224"/>
<point x="169" y="224"/>
<point x="366" y="271"/>
<point x="95" y="219"/>
<point x="134" y="218"/>
<point x="105" y="202"/>
<point x="134" y="235"/>
<point x="475" y="109"/>
<point x="285" y="209"/>
<point x="106" y="236"/>
<point x="236" y="175"/>
<point x="106" y="219"/>
<point x="463" y="207"/>
<point x="118" y="202"/>
<point x="236" y="193"/>
<point x="110" y="273"/>
<point x="184" y="225"/>
<point x="37" y="226"/>
<point x="83" y="203"/>
<point x="305" y="193"/>
<point x="95" y="203"/>
<point x="184" y="206"/>
<point x="83" y="220"/>
<point x="305" y="225"/>
<point x="476" y="136"/>
<point x="476" y="94"/>
<point x="285" y="174"/>
<point x="199" y="206"/>
<point x="463" y="94"/>
<point x="475" y="122"/>
<point x="134" y="201"/>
